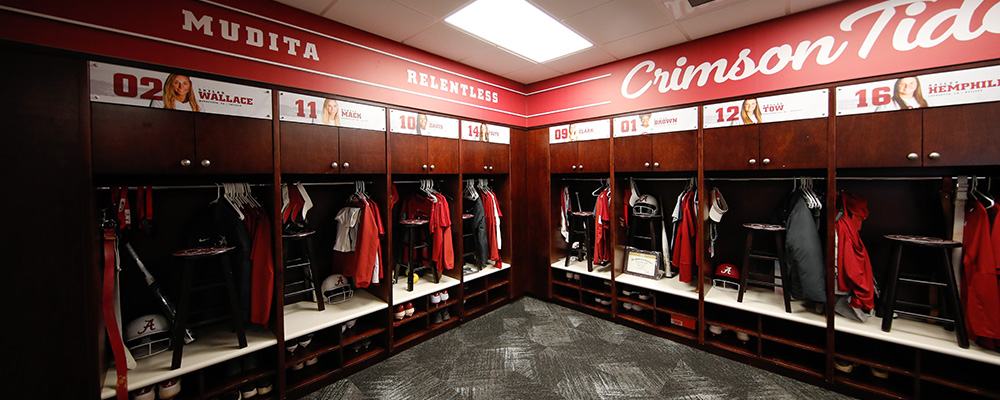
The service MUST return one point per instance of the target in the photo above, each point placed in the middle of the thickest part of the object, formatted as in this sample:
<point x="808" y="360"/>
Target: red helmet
<point x="727" y="276"/>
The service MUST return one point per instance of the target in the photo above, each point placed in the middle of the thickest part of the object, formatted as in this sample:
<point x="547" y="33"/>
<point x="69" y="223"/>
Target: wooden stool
<point x="412" y="266"/>
<point x="191" y="257"/>
<point x="578" y="221"/>
<point x="655" y="225"/>
<point x="778" y="232"/>
<point x="304" y="264"/>
<point x="951" y="288"/>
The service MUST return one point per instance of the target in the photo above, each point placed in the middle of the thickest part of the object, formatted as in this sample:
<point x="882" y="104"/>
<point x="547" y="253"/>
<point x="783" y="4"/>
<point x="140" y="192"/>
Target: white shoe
<point x="743" y="337"/>
<point x="169" y="388"/>
<point x="715" y="329"/>
<point x="444" y="295"/>
<point x="628" y="306"/>
<point x="146" y="393"/>
<point x="436" y="298"/>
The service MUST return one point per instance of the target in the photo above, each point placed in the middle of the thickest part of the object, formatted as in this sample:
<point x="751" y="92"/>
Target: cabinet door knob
<point x="185" y="163"/>
<point x="491" y="167"/>
<point x="205" y="163"/>
<point x="753" y="161"/>
<point x="485" y="168"/>
<point x="581" y="166"/>
<point x="912" y="156"/>
<point x="347" y="165"/>
<point x="656" y="165"/>
<point x="646" y="165"/>
<point x="432" y="167"/>
<point x="765" y="161"/>
<point x="424" y="167"/>
<point x="334" y="165"/>
<point x="574" y="167"/>
<point x="934" y="155"/>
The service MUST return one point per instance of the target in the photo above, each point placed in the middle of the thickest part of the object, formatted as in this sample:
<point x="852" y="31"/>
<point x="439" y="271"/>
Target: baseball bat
<point x="165" y="304"/>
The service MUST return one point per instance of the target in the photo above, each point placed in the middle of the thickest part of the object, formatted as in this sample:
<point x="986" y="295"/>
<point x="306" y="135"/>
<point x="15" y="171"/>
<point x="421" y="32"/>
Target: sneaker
<point x="312" y="361"/>
<point x="880" y="373"/>
<point x="365" y="343"/>
<point x="146" y="393"/>
<point x="445" y="316"/>
<point x="436" y="318"/>
<point x="569" y="276"/>
<point x="843" y="365"/>
<point x="264" y="386"/>
<point x="350" y="324"/>
<point x="444" y="295"/>
<point x="304" y="341"/>
<point x="168" y="388"/>
<point x="576" y="277"/>
<point x="290" y="346"/>
<point x="400" y="313"/>
<point x="645" y="295"/>
<point x="715" y="329"/>
<point x="231" y="395"/>
<point x="436" y="298"/>
<point x="628" y="306"/>
<point x="248" y="391"/>
<point x="602" y="301"/>
<point x="408" y="309"/>
<point x="638" y="308"/>
<point x="743" y="337"/>
<point x="626" y="292"/>
<point x="356" y="347"/>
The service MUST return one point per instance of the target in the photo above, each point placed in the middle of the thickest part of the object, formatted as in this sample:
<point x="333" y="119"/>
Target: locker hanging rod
<point x="662" y="179"/>
<point x="440" y="181"/>
<point x="584" y="179"/>
<point x="170" y="187"/>
<point x="331" y="183"/>
<point x="764" y="179"/>
<point x="894" y="178"/>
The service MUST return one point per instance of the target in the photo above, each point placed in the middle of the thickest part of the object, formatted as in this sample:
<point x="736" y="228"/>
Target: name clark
<point x="444" y="85"/>
<point x="906" y="35"/>
<point x="254" y="37"/>
<point x="224" y="98"/>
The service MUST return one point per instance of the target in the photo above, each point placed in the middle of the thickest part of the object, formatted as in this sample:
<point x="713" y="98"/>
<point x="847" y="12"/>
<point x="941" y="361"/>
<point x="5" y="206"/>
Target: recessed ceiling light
<point x="519" y="27"/>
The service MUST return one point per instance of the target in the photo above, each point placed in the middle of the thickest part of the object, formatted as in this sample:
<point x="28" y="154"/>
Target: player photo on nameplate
<point x="643" y="263"/>
<point x="422" y="124"/>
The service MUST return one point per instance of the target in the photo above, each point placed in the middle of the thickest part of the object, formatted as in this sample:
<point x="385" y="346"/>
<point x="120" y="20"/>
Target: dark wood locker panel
<point x="962" y="135"/>
<point x="734" y="148"/>
<point x="498" y="158"/>
<point x="362" y="151"/>
<point x="232" y="145"/>
<point x="309" y="149"/>
<point x="886" y="139"/>
<point x="474" y="157"/>
<point x="409" y="154"/>
<point x="674" y="151"/>
<point x="562" y="157"/>
<point x="793" y="144"/>
<point x="633" y="154"/>
<point x="594" y="155"/>
<point x="442" y="155"/>
<point x="138" y="140"/>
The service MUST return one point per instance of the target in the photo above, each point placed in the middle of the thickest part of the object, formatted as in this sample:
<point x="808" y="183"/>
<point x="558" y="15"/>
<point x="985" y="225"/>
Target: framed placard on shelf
<point x="685" y="119"/>
<point x="473" y="131"/>
<point x="580" y="131"/>
<point x="977" y="85"/>
<point x="328" y="111"/>
<point x="412" y="123"/>
<point x="762" y="110"/>
<point x="643" y="263"/>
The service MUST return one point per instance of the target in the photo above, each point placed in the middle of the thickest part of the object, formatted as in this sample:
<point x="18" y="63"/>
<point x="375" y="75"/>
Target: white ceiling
<point x="618" y="28"/>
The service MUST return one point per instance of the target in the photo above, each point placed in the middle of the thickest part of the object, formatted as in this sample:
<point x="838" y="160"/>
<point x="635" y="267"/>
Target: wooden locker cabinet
<point x="414" y="154"/>
<point x="318" y="149"/>
<point x="137" y="140"/>
<point x="933" y="137"/>
<point x="581" y="157"/>
<point x="485" y="158"/>
<point x="781" y="145"/>
<point x="674" y="151"/>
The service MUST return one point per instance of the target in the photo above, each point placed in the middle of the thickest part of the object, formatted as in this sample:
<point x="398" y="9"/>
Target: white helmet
<point x="336" y="289"/>
<point x="147" y="335"/>
<point x="646" y="206"/>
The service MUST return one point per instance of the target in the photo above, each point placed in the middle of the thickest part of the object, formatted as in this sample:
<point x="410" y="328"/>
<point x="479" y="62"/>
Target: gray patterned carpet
<point x="531" y="349"/>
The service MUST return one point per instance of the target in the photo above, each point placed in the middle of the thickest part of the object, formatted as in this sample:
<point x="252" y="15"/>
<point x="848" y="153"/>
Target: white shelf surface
<point x="917" y="334"/>
<point x="665" y="285"/>
<point x="580" y="267"/>
<point x="487" y="270"/>
<point x="303" y="318"/>
<point x="214" y="345"/>
<point x="423" y="287"/>
<point x="764" y="302"/>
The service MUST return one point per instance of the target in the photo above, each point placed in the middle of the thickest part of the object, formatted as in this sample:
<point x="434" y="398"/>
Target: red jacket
<point x="854" y="267"/>
<point x="979" y="297"/>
